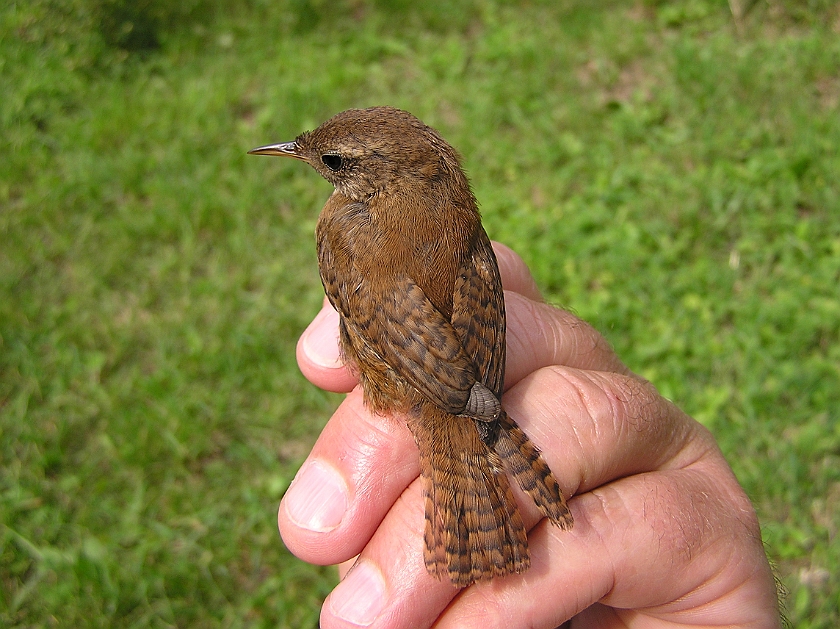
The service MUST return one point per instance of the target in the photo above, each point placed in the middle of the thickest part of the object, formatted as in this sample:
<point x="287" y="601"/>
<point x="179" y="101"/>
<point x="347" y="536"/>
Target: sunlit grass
<point x="668" y="179"/>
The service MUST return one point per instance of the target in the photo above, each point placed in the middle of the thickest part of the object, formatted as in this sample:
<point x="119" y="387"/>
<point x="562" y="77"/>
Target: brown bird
<point x="405" y="261"/>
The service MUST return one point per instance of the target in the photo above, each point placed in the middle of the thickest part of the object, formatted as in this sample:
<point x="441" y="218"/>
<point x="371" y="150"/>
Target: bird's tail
<point x="522" y="460"/>
<point x="473" y="527"/>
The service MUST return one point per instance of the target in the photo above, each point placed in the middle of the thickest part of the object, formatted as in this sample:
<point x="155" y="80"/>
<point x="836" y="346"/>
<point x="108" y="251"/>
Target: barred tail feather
<point x="473" y="527"/>
<point x="523" y="461"/>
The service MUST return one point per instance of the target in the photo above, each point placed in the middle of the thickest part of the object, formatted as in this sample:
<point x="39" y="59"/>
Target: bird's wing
<point x="478" y="313"/>
<point x="410" y="335"/>
<point x="396" y="323"/>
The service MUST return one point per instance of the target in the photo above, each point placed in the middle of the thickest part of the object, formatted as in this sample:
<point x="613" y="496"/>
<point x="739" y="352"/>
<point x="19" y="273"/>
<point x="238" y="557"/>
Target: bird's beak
<point x="284" y="149"/>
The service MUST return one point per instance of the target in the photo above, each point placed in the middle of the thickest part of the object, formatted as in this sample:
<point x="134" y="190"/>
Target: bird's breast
<point x="393" y="236"/>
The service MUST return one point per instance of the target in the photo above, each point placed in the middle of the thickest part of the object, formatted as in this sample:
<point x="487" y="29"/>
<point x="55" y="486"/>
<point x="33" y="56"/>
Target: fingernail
<point x="360" y="598"/>
<point x="317" y="499"/>
<point x="320" y="341"/>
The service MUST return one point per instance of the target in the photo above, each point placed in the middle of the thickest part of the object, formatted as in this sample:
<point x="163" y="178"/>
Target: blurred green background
<point x="669" y="170"/>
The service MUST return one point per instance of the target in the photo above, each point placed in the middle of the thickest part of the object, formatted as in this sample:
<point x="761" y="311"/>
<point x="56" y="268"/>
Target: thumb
<point x="319" y="356"/>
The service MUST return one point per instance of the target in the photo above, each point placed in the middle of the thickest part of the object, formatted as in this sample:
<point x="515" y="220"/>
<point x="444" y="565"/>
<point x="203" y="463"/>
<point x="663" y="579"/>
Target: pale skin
<point x="664" y="535"/>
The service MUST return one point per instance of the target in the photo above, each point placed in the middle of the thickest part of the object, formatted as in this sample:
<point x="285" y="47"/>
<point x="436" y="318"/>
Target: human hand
<point x="664" y="535"/>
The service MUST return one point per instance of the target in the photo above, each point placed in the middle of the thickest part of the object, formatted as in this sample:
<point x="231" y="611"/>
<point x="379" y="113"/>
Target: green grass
<point x="669" y="172"/>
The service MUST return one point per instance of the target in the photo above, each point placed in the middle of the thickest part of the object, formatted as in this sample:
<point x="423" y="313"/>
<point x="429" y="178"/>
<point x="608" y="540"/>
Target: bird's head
<point x="363" y="152"/>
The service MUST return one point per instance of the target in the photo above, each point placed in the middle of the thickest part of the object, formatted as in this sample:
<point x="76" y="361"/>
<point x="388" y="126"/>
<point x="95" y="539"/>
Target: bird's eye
<point x="332" y="161"/>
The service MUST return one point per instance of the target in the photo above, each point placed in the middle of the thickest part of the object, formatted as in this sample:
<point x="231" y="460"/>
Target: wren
<point x="405" y="261"/>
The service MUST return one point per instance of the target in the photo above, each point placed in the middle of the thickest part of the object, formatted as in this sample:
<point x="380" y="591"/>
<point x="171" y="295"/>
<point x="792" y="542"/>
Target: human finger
<point x="319" y="356"/>
<point x="356" y="470"/>
<point x="539" y="335"/>
<point x="516" y="276"/>
<point x="380" y="588"/>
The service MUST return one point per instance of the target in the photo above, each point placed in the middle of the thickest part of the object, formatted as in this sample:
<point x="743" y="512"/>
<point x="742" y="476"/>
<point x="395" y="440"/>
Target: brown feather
<point x="473" y="528"/>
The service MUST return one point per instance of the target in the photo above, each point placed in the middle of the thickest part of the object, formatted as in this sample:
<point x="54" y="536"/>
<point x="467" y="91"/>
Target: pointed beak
<point x="284" y="149"/>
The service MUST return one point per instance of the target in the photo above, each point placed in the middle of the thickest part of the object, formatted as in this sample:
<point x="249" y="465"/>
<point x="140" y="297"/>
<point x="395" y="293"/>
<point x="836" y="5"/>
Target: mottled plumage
<point x="405" y="261"/>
